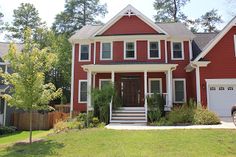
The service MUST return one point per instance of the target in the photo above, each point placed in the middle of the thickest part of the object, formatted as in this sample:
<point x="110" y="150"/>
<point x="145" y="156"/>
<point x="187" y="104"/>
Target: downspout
<point x="72" y="81"/>
<point x="166" y="56"/>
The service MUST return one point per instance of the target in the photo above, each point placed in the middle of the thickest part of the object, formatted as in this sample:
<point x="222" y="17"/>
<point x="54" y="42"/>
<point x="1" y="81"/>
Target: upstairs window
<point x="106" y="53"/>
<point x="130" y="50"/>
<point x="153" y="50"/>
<point x="84" y="53"/>
<point x="177" y="51"/>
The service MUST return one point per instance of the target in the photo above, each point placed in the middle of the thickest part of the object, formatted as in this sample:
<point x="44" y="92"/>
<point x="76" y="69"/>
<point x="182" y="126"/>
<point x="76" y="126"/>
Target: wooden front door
<point x="130" y="91"/>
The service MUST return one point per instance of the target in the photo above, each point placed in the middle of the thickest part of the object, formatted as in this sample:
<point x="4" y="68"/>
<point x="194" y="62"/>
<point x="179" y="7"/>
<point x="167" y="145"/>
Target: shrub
<point x="95" y="121"/>
<point x="205" y="117"/>
<point x="75" y="125"/>
<point x="61" y="127"/>
<point x="163" y="122"/>
<point x="7" y="130"/>
<point x="154" y="115"/>
<point x="180" y="115"/>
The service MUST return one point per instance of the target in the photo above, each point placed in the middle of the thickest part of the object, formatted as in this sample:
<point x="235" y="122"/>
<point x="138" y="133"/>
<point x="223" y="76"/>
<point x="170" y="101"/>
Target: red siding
<point x="128" y="25"/>
<point x="223" y="62"/>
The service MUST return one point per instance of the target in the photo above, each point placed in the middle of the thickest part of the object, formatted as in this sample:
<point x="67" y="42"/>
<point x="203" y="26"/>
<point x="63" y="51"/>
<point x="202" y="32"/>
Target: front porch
<point x="134" y="82"/>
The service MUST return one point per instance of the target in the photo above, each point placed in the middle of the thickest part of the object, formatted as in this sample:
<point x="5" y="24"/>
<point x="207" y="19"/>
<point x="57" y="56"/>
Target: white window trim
<point x="80" y="92"/>
<point x="149" y="84"/>
<point x="89" y="55"/>
<point x="179" y="79"/>
<point x="100" y="82"/>
<point x="235" y="44"/>
<point x="172" y="52"/>
<point x="111" y="50"/>
<point x="159" y="49"/>
<point x="135" y="50"/>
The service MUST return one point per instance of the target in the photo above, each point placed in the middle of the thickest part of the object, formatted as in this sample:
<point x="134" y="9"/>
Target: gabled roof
<point x="129" y="11"/>
<point x="200" y="41"/>
<point x="217" y="38"/>
<point x="85" y="32"/>
<point x="176" y="29"/>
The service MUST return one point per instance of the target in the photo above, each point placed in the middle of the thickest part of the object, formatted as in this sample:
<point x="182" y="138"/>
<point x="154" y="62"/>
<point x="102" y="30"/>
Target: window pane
<point x="179" y="91"/>
<point x="154" y="50"/>
<point x="83" y="91"/>
<point x="177" y="49"/>
<point x="84" y="52"/>
<point x="129" y="50"/>
<point x="129" y="46"/>
<point x="130" y="54"/>
<point x="155" y="86"/>
<point x="106" y="50"/>
<point x="104" y="83"/>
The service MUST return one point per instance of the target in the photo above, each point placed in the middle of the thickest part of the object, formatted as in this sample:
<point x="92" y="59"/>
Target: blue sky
<point x="49" y="8"/>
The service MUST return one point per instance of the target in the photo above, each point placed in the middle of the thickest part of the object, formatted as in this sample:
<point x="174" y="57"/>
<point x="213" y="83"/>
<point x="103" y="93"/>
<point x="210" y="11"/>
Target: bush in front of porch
<point x="188" y="114"/>
<point x="102" y="98"/>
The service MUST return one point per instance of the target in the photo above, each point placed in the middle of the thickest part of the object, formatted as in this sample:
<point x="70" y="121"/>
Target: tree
<point x="169" y="10"/>
<point x="1" y="21"/>
<point x="78" y="13"/>
<point x="60" y="74"/>
<point x="209" y="21"/>
<point x="29" y="92"/>
<point x="25" y="16"/>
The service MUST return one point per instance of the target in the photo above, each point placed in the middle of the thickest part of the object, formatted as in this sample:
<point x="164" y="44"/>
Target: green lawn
<point x="19" y="136"/>
<point x="112" y="143"/>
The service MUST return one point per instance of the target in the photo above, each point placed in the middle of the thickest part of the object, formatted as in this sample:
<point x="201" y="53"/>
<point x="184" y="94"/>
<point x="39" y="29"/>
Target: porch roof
<point x="107" y="68"/>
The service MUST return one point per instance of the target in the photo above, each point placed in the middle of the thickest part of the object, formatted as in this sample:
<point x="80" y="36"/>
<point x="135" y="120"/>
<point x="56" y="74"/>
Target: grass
<point x="19" y="136"/>
<point x="107" y="143"/>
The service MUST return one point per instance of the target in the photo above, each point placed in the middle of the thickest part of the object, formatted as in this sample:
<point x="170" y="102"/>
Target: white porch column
<point x="94" y="80"/>
<point x="4" y="112"/>
<point x="198" y="85"/>
<point x="169" y="88"/>
<point x="72" y="81"/>
<point x="145" y="93"/>
<point x="113" y="77"/>
<point x="89" y="85"/>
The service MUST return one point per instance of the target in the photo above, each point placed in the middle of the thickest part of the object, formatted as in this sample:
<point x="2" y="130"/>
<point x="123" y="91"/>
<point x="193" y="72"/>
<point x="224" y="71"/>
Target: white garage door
<point x="222" y="98"/>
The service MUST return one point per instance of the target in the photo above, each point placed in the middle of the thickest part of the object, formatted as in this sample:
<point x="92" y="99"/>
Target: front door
<point x="130" y="91"/>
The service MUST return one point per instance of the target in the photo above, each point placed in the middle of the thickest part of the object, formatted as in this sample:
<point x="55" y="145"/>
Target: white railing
<point x="111" y="108"/>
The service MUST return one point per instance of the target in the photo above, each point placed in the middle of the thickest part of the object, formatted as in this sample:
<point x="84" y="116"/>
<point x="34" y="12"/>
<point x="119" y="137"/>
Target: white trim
<point x="159" y="49"/>
<point x="182" y="46"/>
<point x="145" y="93"/>
<point x="154" y="79"/>
<point x="100" y="82"/>
<point x="198" y="88"/>
<point x="190" y="50"/>
<point x="89" y="55"/>
<point x="135" y="49"/>
<point x="235" y="44"/>
<point x="79" y="92"/>
<point x="103" y="68"/>
<point x="94" y="52"/>
<point x="221" y="81"/>
<point x="72" y="81"/>
<point x="111" y="58"/>
<point x="166" y="55"/>
<point x="137" y="13"/>
<point x="179" y="79"/>
<point x="211" y="44"/>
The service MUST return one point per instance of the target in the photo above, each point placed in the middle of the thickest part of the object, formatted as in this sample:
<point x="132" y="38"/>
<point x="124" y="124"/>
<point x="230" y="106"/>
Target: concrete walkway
<point x="224" y="125"/>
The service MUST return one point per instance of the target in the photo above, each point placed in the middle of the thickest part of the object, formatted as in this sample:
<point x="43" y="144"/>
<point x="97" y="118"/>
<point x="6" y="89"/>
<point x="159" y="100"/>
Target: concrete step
<point x="128" y="114"/>
<point x="128" y="122"/>
<point x="131" y="108"/>
<point x="128" y="118"/>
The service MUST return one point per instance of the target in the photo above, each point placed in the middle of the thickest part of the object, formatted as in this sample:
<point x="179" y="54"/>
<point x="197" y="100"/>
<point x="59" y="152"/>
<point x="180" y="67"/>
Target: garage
<point x="221" y="96"/>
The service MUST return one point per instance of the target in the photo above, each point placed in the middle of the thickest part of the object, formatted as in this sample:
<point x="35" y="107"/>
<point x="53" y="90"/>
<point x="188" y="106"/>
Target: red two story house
<point x="142" y="57"/>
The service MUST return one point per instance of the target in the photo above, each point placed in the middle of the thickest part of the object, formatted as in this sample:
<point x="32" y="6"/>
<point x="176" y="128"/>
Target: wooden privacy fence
<point x="39" y="121"/>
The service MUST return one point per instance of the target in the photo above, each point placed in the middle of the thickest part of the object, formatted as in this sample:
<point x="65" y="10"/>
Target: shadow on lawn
<point x="39" y="148"/>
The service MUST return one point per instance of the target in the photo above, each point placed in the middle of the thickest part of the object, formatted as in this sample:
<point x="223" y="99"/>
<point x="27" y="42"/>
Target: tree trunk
<point x="175" y="11"/>
<point x="30" y="121"/>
